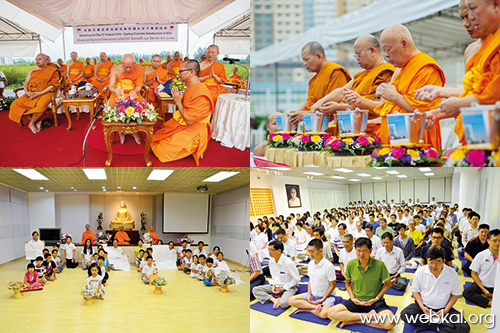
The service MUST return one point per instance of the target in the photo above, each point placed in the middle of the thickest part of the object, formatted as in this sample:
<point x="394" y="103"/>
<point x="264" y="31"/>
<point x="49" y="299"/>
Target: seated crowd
<point x="373" y="255"/>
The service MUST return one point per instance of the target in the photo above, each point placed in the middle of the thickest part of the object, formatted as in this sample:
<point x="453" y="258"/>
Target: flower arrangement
<point x="63" y="238"/>
<point x="158" y="282"/>
<point x="146" y="238"/>
<point x="185" y="237"/>
<point x="100" y="218"/>
<point x="127" y="109"/>
<point x="307" y="142"/>
<point x="353" y="146"/>
<point x="177" y="82"/>
<point x="88" y="292"/>
<point x="16" y="287"/>
<point x="5" y="103"/>
<point x="223" y="278"/>
<point x="103" y="237"/>
<point x="473" y="158"/>
<point x="401" y="156"/>
<point x="283" y="140"/>
<point x="143" y="221"/>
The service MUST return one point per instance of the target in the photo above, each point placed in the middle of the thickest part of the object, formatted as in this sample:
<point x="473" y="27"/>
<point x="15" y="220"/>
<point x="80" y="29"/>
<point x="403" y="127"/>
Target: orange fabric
<point x="154" y="236"/>
<point x="88" y="234"/>
<point x="103" y="72"/>
<point x="39" y="81"/>
<point x="122" y="237"/>
<point x="162" y="75"/>
<point x="128" y="82"/>
<point x="421" y="70"/>
<point x="235" y="77"/>
<point x="329" y="77"/>
<point x="175" y="68"/>
<point x="74" y="70"/>
<point x="89" y="72"/>
<point x="482" y="77"/>
<point x="176" y="139"/>
<point x="215" y="88"/>
<point x="365" y="83"/>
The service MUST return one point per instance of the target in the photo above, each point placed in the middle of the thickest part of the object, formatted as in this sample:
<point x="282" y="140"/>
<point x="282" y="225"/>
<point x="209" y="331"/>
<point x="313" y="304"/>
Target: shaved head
<point x="367" y="52"/>
<point x="368" y="41"/>
<point x="314" y="48"/>
<point x="128" y="63"/>
<point x="271" y="122"/>
<point x="398" y="45"/>
<point x="192" y="64"/>
<point x="396" y="32"/>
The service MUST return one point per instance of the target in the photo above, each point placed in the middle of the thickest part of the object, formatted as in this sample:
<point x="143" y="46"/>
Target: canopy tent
<point x="16" y="41"/>
<point x="438" y="28"/>
<point x="235" y="38"/>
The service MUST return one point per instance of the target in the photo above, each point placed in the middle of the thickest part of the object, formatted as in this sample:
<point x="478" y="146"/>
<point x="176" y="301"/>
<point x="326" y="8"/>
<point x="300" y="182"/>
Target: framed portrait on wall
<point x="293" y="196"/>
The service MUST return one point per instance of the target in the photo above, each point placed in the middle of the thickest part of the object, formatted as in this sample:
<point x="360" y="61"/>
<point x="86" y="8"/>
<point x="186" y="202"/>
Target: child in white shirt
<point x="194" y="265"/>
<point x="95" y="281"/>
<point x="148" y="270"/>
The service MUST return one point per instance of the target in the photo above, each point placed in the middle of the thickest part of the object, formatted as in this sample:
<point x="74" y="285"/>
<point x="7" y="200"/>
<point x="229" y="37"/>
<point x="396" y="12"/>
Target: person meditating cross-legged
<point x="88" y="234"/>
<point x="367" y="280"/>
<point x="122" y="237"/>
<point x="188" y="132"/>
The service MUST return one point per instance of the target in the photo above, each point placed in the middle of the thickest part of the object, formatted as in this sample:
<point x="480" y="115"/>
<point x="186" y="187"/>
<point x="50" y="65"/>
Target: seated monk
<point x="122" y="237"/>
<point x="417" y="70"/>
<point x="89" y="71"/>
<point x="154" y="235"/>
<point x="213" y="73"/>
<point x="38" y="85"/>
<point x="328" y="76"/>
<point x="88" y="234"/>
<point x="174" y="65"/>
<point x="62" y="66"/>
<point x="271" y="127"/>
<point x="126" y="80"/>
<point x="360" y="91"/>
<point x="235" y="77"/>
<point x="153" y="77"/>
<point x="75" y="70"/>
<point x="167" y="60"/>
<point x="188" y="132"/>
<point x="102" y="73"/>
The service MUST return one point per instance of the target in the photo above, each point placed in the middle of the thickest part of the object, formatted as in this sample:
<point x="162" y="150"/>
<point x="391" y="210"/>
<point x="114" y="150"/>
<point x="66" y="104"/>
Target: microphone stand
<point x="85" y="142"/>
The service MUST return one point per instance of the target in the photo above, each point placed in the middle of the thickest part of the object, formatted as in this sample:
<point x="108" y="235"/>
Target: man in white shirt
<point x="359" y="231"/>
<point x="394" y="260"/>
<point x="471" y="230"/>
<point x="290" y="250"/>
<point x="433" y="201"/>
<point x="285" y="278"/>
<point x="320" y="294"/>
<point x="376" y="242"/>
<point x="301" y="236"/>
<point x="346" y="254"/>
<point x="327" y="251"/>
<point x="484" y="267"/>
<point x="200" y="250"/>
<point x="261" y="242"/>
<point x="406" y="216"/>
<point x="436" y="288"/>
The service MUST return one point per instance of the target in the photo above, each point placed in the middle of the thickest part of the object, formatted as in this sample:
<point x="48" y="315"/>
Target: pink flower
<point x="326" y="137"/>
<point x="271" y="136"/>
<point x="376" y="138"/>
<point x="121" y="109"/>
<point x="139" y="109"/>
<point x="285" y="136"/>
<point x="432" y="153"/>
<point x="397" y="152"/>
<point x="336" y="144"/>
<point x="305" y="138"/>
<point x="363" y="140"/>
<point x="476" y="158"/>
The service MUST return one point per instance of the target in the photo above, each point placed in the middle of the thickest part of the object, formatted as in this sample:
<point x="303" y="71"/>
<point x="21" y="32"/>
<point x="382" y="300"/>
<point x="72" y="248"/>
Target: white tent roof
<point x="235" y="37"/>
<point x="222" y="18"/>
<point x="369" y="19"/>
<point x="26" y="41"/>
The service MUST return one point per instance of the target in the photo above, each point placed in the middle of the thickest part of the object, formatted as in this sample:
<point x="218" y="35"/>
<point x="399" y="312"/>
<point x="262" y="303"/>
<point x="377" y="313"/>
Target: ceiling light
<point x="429" y="174"/>
<point x="104" y="190"/>
<point x="363" y="175"/>
<point x="313" y="173"/>
<point x="31" y="174"/>
<point x="220" y="176"/>
<point x="134" y="188"/>
<point x="95" y="173"/>
<point x="41" y="187"/>
<point x="103" y="187"/>
<point x="75" y="190"/>
<point x="402" y="176"/>
<point x="425" y="169"/>
<point x="344" y="170"/>
<point x="377" y="178"/>
<point x="159" y="174"/>
<point x="279" y="168"/>
<point x="202" y="188"/>
<point x="354" y="180"/>
<point x="119" y="187"/>
<point x="72" y="187"/>
<point x="393" y="172"/>
<point x="337" y="177"/>
<point x="46" y="190"/>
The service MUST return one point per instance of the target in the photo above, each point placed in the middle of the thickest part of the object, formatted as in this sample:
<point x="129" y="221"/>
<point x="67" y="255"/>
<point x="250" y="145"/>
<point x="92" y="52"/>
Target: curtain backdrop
<point x="326" y="199"/>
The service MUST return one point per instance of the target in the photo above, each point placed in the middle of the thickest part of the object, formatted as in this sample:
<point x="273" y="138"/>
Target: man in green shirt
<point x="383" y="228"/>
<point x="367" y="280"/>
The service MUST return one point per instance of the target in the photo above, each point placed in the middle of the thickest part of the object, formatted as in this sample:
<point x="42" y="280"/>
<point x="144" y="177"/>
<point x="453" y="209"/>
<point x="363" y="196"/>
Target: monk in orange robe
<point x="38" y="85"/>
<point x="174" y="65"/>
<point x="167" y="61"/>
<point x="62" y="67"/>
<point x="122" y="236"/>
<point x="360" y="91"/>
<point x="127" y="79"/>
<point x="102" y="73"/>
<point x="235" y="77"/>
<point x="153" y="77"/>
<point x="88" y="234"/>
<point x="417" y="70"/>
<point x="213" y="73"/>
<point x="75" y="70"/>
<point x="188" y="132"/>
<point x="327" y="76"/>
<point x="152" y="232"/>
<point x="89" y="71"/>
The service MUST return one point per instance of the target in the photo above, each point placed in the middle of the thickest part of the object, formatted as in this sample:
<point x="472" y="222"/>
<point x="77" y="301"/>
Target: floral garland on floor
<point x="473" y="158"/>
<point x="401" y="156"/>
<point x="353" y="146"/>
<point x="127" y="109"/>
<point x="277" y="140"/>
<point x="308" y="142"/>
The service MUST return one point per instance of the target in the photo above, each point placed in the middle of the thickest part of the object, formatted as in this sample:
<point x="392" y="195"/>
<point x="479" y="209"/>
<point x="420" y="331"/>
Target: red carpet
<point x="56" y="147"/>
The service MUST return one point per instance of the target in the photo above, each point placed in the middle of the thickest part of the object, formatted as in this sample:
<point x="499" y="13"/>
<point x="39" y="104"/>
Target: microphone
<point x="98" y="112"/>
<point x="231" y="60"/>
<point x="247" y="253"/>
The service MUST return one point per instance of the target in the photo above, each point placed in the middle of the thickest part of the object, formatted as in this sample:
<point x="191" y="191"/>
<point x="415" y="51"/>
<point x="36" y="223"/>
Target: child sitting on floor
<point x="183" y="255"/>
<point x="221" y="264"/>
<point x="209" y="274"/>
<point x="194" y="264"/>
<point x="57" y="260"/>
<point x="31" y="279"/>
<point x="201" y="266"/>
<point x="56" y="247"/>
<point x="148" y="270"/>
<point x="186" y="262"/>
<point x="139" y="259"/>
<point x="102" y="269"/>
<point x="95" y="281"/>
<point x="94" y="258"/>
<point x="50" y="274"/>
<point x="40" y="270"/>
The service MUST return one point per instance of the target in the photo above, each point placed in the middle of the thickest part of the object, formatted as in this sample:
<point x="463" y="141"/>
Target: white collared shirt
<point x="284" y="273"/>
<point x="320" y="276"/>
<point x="301" y="236"/>
<point x="198" y="252"/>
<point x="345" y="256"/>
<point x="376" y="244"/>
<point x="260" y="240"/>
<point x="436" y="292"/>
<point x="486" y="268"/>
<point x="357" y="234"/>
<point x="290" y="249"/>
<point x="394" y="260"/>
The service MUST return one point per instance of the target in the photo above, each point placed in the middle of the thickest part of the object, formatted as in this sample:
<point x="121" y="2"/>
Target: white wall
<point x="72" y="214"/>
<point x="42" y="213"/>
<point x="488" y="196"/>
<point x="14" y="223"/>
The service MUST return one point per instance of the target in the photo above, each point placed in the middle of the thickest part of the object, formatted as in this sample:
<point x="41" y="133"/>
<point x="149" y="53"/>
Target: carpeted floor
<point x="56" y="147"/>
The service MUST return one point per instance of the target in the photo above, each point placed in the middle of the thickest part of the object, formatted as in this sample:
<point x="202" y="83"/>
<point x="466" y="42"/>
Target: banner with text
<point x="125" y="33"/>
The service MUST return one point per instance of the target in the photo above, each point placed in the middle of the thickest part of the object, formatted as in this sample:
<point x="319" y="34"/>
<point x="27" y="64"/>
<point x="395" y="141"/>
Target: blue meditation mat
<point x="467" y="284"/>
<point x="267" y="308"/>
<point x="299" y="266"/>
<point x="304" y="278"/>
<point x="395" y="292"/>
<point x="307" y="316"/>
<point x="266" y="282"/>
<point x="303" y="262"/>
<point x="411" y="270"/>
<point x="364" y="328"/>
<point x="410" y="329"/>
<point x="340" y="284"/>
<point x="264" y="263"/>
<point x="302" y="288"/>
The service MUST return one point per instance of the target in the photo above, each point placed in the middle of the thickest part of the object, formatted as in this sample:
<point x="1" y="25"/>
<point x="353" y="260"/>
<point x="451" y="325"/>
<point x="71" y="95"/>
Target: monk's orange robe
<point x="329" y="77"/>
<point x="163" y="76"/>
<point x="482" y="77"/>
<point x="75" y="70"/>
<point x="39" y="81"/>
<point x="122" y="237"/>
<point x="176" y="139"/>
<point x="88" y="234"/>
<point x="421" y="70"/>
<point x="215" y="88"/>
<point x="89" y="73"/>
<point x="154" y="236"/>
<point x="175" y="68"/>
<point x="128" y="82"/>
<point x="103" y="72"/>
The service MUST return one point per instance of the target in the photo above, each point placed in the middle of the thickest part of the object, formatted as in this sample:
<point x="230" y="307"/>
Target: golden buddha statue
<point x="122" y="218"/>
